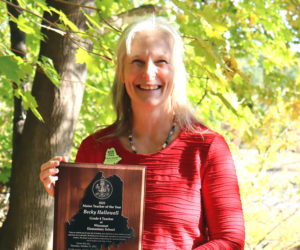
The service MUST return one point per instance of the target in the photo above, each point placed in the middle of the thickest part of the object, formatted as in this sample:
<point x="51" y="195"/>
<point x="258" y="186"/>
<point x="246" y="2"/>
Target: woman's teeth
<point x="152" y="87"/>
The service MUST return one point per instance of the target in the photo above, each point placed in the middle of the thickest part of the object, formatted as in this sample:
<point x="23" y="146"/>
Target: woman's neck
<point x="150" y="130"/>
<point x="151" y="122"/>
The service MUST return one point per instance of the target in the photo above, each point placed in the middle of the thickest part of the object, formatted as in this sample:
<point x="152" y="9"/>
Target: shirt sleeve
<point x="222" y="204"/>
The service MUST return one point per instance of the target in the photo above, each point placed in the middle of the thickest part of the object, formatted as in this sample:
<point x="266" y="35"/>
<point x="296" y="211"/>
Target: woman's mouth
<point x="148" y="87"/>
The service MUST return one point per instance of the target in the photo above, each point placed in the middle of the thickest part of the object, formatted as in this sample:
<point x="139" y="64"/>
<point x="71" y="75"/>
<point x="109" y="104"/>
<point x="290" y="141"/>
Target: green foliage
<point x="6" y="104"/>
<point x="9" y="67"/>
<point x="6" y="109"/>
<point x="243" y="80"/>
<point x="14" y="71"/>
<point x="48" y="68"/>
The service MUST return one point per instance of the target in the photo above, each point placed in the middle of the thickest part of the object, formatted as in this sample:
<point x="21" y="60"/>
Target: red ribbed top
<point x="192" y="196"/>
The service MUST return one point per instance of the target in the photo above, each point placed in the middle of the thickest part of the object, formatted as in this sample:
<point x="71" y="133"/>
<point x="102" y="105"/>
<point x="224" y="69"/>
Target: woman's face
<point x="148" y="69"/>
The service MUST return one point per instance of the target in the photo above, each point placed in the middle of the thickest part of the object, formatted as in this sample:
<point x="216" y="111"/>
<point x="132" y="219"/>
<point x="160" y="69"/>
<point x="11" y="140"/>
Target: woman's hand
<point x="49" y="171"/>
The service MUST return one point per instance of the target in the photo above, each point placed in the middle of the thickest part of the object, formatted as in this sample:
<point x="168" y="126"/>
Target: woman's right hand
<point x="49" y="171"/>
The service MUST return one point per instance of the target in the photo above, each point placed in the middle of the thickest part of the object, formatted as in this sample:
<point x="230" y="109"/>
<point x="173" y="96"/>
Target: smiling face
<point x="148" y="69"/>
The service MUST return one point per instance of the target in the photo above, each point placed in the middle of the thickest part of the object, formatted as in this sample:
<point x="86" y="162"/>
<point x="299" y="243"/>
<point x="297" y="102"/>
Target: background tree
<point x="242" y="61"/>
<point x="59" y="106"/>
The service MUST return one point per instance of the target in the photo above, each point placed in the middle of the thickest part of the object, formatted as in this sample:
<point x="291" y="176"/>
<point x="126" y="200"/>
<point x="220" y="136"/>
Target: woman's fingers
<point x="48" y="174"/>
<point x="54" y="162"/>
<point x="49" y="184"/>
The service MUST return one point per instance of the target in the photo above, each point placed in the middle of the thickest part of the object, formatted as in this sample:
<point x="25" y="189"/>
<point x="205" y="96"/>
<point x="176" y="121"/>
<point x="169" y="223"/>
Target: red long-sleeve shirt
<point x="192" y="196"/>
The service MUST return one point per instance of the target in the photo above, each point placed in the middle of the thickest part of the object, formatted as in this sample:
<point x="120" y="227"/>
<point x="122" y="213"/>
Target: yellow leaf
<point x="252" y="19"/>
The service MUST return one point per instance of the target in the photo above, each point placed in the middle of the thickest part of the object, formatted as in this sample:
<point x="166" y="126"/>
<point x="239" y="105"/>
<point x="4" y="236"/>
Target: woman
<point x="192" y="196"/>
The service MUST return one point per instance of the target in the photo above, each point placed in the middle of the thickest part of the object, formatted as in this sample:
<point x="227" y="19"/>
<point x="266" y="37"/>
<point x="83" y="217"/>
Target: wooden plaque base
<point x="85" y="200"/>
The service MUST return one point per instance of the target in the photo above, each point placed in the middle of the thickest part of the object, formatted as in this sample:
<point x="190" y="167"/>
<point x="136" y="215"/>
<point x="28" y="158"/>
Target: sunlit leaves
<point x="93" y="20"/>
<point x="14" y="70"/>
<point x="244" y="79"/>
<point x="91" y="60"/>
<point x="29" y="102"/>
<point x="211" y="14"/>
<point x="65" y="22"/>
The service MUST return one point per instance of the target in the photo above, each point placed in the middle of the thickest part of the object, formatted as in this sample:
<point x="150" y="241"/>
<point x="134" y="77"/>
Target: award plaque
<point x="99" y="207"/>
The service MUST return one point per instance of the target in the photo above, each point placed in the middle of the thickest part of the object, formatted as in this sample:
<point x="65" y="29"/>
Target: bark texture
<point x="29" y="221"/>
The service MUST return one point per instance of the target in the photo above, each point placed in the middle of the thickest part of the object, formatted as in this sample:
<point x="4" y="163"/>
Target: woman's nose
<point x="150" y="71"/>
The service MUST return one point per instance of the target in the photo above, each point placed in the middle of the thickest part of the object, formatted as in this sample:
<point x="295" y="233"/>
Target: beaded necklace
<point x="163" y="146"/>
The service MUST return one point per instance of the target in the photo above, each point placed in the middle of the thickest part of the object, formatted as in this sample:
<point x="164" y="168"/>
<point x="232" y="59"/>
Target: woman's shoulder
<point x="200" y="130"/>
<point x="204" y="139"/>
<point x="201" y="135"/>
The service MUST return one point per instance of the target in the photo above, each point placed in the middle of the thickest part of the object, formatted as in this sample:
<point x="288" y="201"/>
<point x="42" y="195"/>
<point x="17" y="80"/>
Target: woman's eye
<point x="138" y="61"/>
<point x="162" y="61"/>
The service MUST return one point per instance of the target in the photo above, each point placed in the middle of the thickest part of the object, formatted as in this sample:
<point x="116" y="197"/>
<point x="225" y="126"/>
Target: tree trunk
<point x="29" y="221"/>
<point x="18" y="46"/>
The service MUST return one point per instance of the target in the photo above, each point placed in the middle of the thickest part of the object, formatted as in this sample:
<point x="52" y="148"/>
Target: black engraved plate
<point x="99" y="222"/>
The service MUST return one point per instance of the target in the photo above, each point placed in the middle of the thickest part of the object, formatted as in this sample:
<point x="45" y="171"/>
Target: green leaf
<point x="22" y="3"/>
<point x="93" y="20"/>
<point x="47" y="65"/>
<point x="9" y="67"/>
<point x="210" y="50"/>
<point x="125" y="3"/>
<point x="65" y="20"/>
<point x="43" y="6"/>
<point x="4" y="174"/>
<point x="82" y="56"/>
<point x="202" y="52"/>
<point x="181" y="4"/>
<point x="95" y="89"/>
<point x="25" y="26"/>
<point x="32" y="104"/>
<point x="29" y="102"/>
<point x="226" y="102"/>
<point x="211" y="15"/>
<point x="37" y="114"/>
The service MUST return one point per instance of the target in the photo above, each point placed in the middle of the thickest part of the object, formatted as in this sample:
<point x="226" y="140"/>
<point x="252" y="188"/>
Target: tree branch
<point x="20" y="9"/>
<point x="205" y="92"/>
<point x="114" y="23"/>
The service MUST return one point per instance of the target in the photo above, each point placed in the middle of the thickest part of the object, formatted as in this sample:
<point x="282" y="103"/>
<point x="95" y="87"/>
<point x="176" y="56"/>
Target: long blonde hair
<point x="184" y="112"/>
